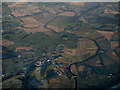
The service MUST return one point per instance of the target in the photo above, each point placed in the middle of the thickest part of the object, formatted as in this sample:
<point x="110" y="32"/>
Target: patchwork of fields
<point x="60" y="45"/>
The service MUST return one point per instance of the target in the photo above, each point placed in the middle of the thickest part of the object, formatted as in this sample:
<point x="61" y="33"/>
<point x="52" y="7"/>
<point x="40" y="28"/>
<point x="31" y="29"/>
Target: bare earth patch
<point x="112" y="12"/>
<point x="86" y="46"/>
<point x="106" y="34"/>
<point x="57" y="29"/>
<point x="16" y="13"/>
<point x="113" y="53"/>
<point x="16" y="4"/>
<point x="29" y="22"/>
<point x="50" y="10"/>
<point x="97" y="63"/>
<point x="82" y="19"/>
<point x="31" y="25"/>
<point x="70" y="31"/>
<point x="81" y="68"/>
<point x="27" y="10"/>
<point x="74" y="69"/>
<point x="70" y="51"/>
<point x="39" y="29"/>
<point x="26" y="48"/>
<point x="44" y="18"/>
<point x="81" y="48"/>
<point x="67" y="14"/>
<point x="6" y="42"/>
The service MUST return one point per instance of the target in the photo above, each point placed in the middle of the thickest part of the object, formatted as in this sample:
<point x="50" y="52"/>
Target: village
<point x="29" y="56"/>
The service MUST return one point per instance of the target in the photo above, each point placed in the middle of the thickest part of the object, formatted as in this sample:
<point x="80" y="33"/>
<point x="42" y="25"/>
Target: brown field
<point x="62" y="59"/>
<point x="86" y="46"/>
<point x="27" y="10"/>
<point x="17" y="4"/>
<point x="113" y="53"/>
<point x="26" y="48"/>
<point x="81" y="49"/>
<point x="39" y="29"/>
<point x="97" y="63"/>
<point x="50" y="10"/>
<point x="67" y="14"/>
<point x="69" y="31"/>
<point x="70" y="51"/>
<point x="74" y="69"/>
<point x="82" y="19"/>
<point x="91" y="35"/>
<point x="112" y="12"/>
<point x="23" y="12"/>
<point x="16" y="13"/>
<point x="6" y="42"/>
<point x="81" y="68"/>
<point x="30" y="22"/>
<point x="43" y="18"/>
<point x="114" y="44"/>
<point x="106" y="34"/>
<point x="57" y="29"/>
<point x="36" y="26"/>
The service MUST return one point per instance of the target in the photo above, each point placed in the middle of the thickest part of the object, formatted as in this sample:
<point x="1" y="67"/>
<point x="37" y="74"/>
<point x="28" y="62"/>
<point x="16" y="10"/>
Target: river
<point x="45" y="26"/>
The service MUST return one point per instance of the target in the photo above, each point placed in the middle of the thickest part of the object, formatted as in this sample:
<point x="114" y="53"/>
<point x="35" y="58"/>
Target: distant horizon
<point x="60" y="0"/>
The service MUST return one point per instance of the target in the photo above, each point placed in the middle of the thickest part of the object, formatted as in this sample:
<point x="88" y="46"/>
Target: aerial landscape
<point x="60" y="45"/>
